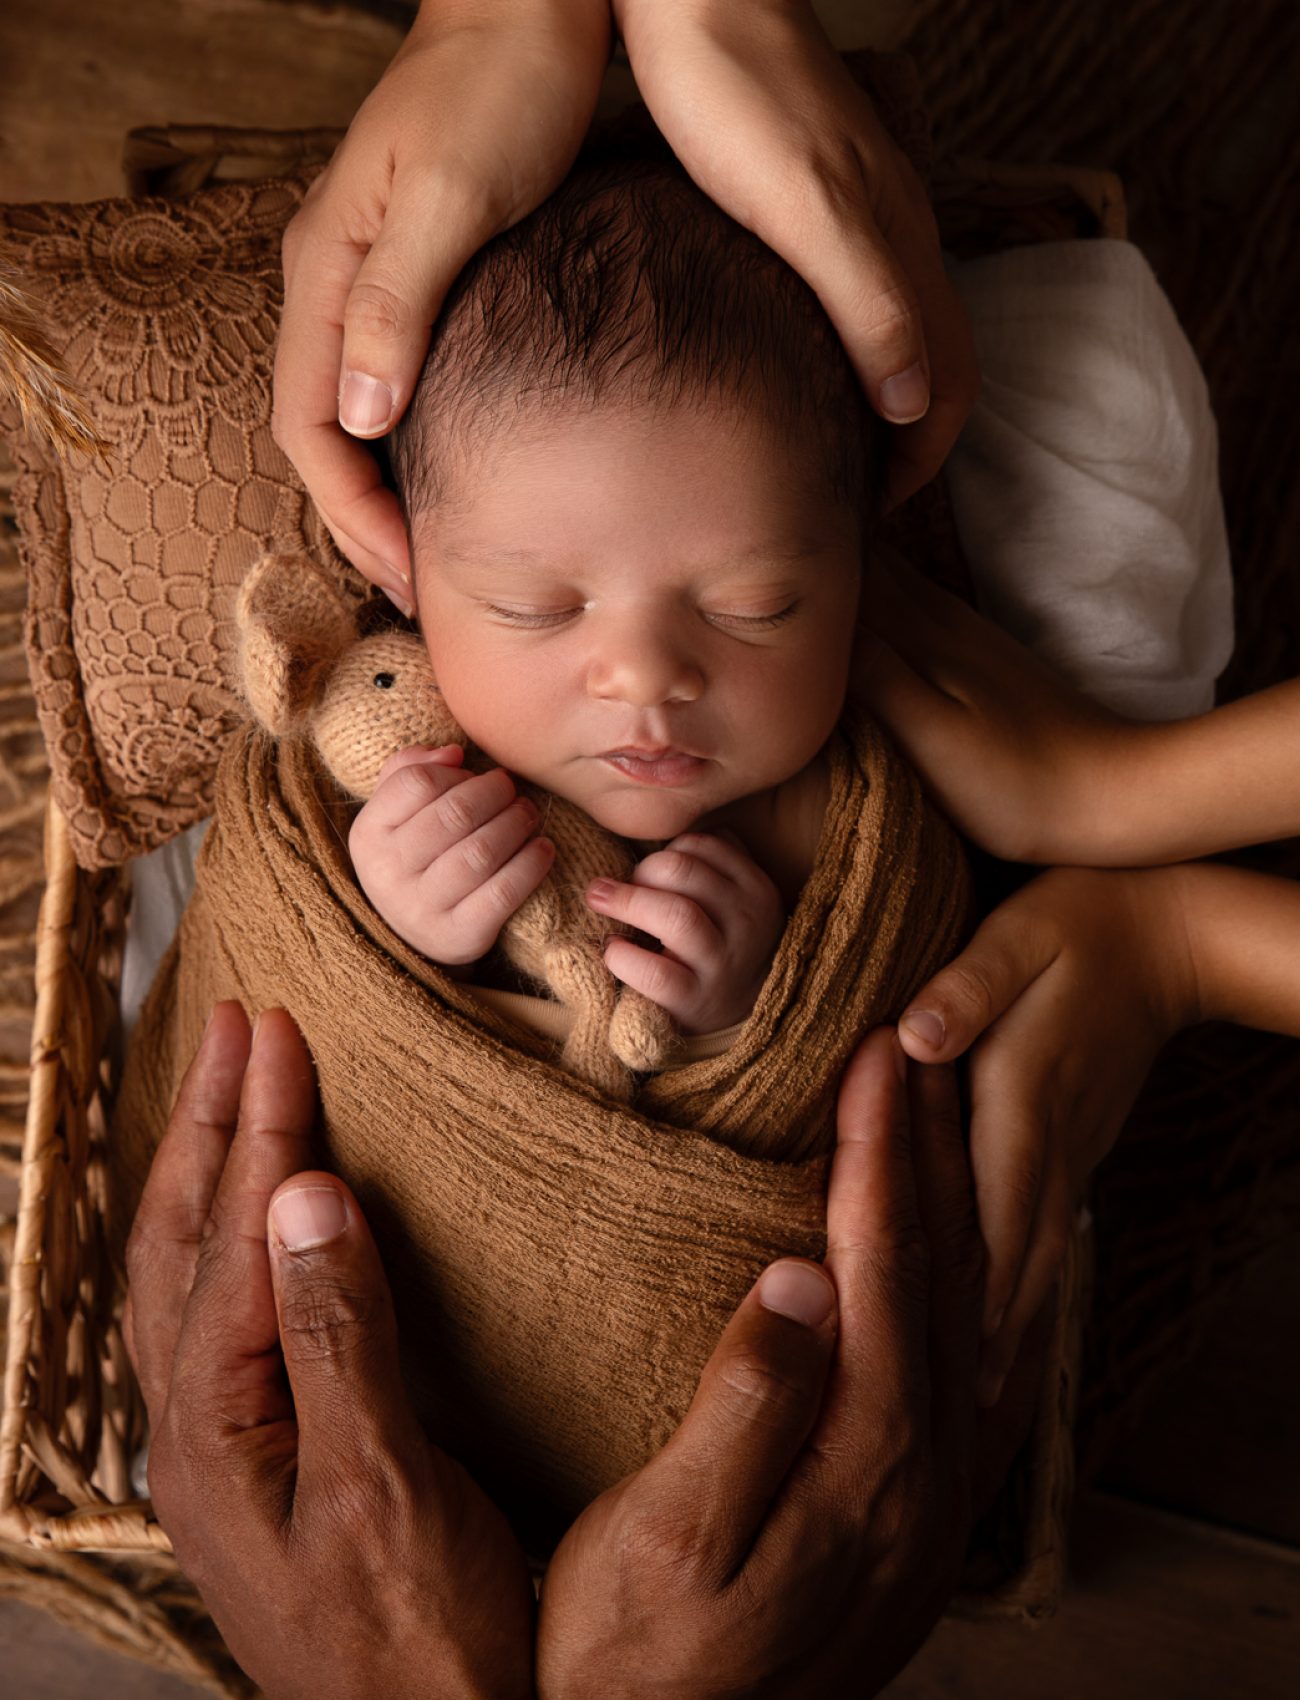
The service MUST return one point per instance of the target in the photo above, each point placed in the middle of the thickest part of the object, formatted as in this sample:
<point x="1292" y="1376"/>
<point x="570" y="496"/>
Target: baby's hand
<point x="1065" y="993"/>
<point x="718" y="917"/>
<point x="445" y="856"/>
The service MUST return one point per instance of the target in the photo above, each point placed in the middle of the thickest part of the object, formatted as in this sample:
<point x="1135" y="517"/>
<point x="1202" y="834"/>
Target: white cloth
<point x="1085" y="485"/>
<point x="1086" y="493"/>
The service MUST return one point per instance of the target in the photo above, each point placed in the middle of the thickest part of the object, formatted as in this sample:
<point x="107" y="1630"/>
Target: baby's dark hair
<point x="630" y="285"/>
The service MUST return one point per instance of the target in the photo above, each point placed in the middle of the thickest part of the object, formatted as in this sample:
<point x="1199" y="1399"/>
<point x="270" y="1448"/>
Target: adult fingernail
<point x="798" y="1291"/>
<point x="309" y="1216"/>
<point x="905" y="396"/>
<point x="994" y="1322"/>
<point x="399" y="601"/>
<point x="365" y="404"/>
<point x="924" y="1025"/>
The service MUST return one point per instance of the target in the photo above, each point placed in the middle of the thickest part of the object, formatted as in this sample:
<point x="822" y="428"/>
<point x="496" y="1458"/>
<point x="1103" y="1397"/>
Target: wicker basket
<point x="72" y="1418"/>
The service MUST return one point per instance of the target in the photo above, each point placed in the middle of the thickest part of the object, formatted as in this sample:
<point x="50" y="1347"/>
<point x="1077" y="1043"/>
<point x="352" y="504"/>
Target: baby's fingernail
<point x="994" y="1322"/>
<point x="797" y="1290"/>
<point x="905" y="396"/>
<point x="309" y="1216"/>
<point x="924" y="1025"/>
<point x="365" y="405"/>
<point x="600" y="891"/>
<point x="988" y="1386"/>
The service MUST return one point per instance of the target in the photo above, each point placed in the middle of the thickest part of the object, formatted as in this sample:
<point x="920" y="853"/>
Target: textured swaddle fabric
<point x="563" y="1265"/>
<point x="1085" y="484"/>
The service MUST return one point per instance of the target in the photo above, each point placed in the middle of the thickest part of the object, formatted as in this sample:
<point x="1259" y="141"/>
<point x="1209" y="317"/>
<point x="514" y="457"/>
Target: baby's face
<point x="648" y="613"/>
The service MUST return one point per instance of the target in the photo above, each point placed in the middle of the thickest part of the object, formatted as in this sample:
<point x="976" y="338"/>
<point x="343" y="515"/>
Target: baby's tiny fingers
<point x="677" y="922"/>
<point x="472" y="860"/>
<point x="422" y="755"/>
<point x="664" y="981"/>
<point x="408" y="783"/>
<point x="726" y="855"/>
<point x="674" y="870"/>
<point x="482" y="914"/>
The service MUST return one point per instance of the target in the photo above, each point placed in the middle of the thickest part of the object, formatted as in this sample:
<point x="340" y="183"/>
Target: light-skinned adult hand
<point x="766" y="118"/>
<point x="480" y="116"/>
<point x="1063" y="998"/>
<point x="823" y="1472"/>
<point x="476" y="120"/>
<point x="1036" y="772"/>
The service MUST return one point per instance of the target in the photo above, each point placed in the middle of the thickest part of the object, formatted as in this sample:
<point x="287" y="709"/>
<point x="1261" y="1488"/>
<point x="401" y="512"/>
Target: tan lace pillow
<point x="165" y="314"/>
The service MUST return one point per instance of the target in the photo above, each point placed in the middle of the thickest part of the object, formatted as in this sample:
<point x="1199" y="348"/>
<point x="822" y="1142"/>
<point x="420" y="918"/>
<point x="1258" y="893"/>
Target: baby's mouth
<point x="660" y="766"/>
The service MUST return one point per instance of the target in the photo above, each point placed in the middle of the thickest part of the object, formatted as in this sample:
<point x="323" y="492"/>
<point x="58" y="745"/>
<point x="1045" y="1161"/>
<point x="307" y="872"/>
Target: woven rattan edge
<point x="1033" y="1592"/>
<point x="94" y="1524"/>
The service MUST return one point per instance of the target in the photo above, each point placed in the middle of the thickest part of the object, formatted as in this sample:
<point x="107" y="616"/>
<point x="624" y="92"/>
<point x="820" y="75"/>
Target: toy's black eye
<point x="385" y="681"/>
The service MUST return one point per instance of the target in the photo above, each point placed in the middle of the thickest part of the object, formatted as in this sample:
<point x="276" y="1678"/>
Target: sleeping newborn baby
<point x="639" y="476"/>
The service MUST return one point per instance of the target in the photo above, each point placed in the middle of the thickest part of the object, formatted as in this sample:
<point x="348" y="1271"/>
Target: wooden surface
<point x="1159" y="1608"/>
<point x="77" y="75"/>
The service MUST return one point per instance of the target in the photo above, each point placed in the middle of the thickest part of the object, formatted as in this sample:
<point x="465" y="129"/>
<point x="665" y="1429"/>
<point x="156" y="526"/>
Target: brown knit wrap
<point x="563" y="1265"/>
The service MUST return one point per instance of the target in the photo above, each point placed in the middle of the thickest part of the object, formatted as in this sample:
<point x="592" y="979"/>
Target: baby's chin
<point x="646" y="814"/>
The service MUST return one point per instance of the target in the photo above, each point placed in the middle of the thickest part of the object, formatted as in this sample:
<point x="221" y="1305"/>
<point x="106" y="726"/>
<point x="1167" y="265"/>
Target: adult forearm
<point x="1244" y="937"/>
<point x="1217" y="782"/>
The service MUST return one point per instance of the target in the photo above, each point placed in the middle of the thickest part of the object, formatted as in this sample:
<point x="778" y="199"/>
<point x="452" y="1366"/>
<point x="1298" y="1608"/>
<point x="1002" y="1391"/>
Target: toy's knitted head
<point x="307" y="669"/>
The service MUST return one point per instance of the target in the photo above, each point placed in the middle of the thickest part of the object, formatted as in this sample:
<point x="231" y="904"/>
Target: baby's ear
<point x="292" y="624"/>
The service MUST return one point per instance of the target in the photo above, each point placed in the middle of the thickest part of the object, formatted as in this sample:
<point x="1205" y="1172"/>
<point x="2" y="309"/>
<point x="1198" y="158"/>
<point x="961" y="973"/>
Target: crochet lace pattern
<point x="165" y="314"/>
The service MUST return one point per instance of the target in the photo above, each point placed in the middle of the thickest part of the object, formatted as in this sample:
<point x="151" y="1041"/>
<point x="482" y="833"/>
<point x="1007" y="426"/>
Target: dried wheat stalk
<point x="30" y="372"/>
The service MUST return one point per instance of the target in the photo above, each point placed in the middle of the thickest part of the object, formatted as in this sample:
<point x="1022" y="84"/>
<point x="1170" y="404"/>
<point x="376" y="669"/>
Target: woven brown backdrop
<point x="1192" y="103"/>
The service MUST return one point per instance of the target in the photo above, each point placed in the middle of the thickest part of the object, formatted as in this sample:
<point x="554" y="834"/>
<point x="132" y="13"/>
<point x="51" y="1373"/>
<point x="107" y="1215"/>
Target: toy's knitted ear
<point x="292" y="624"/>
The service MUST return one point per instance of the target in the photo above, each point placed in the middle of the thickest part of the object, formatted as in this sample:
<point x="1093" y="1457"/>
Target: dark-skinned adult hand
<point x="480" y="116"/>
<point x="803" y="1528"/>
<point x="340" y="1553"/>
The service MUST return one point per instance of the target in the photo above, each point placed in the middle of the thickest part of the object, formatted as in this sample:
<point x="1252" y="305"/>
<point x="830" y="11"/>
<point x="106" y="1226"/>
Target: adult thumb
<point x="338" y="1333"/>
<point x="758" y="1398"/>
<point x="394" y="299"/>
<point x="949" y="1013"/>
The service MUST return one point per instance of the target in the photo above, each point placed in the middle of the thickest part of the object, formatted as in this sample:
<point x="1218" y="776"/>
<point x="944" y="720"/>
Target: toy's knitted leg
<point x="577" y="975"/>
<point x="641" y="1033"/>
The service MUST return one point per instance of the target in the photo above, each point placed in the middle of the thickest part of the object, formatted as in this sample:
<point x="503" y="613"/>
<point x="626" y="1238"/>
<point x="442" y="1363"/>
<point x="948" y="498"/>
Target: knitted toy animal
<point x="308" y="671"/>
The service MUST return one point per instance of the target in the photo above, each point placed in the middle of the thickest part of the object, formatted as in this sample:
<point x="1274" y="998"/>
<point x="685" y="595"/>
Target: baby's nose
<point x="645" y="670"/>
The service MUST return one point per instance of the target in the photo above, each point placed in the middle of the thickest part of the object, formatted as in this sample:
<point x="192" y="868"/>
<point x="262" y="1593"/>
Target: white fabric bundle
<point x="1085" y="485"/>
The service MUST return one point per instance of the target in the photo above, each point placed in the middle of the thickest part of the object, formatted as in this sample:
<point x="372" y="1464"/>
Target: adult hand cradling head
<point x="480" y="116"/>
